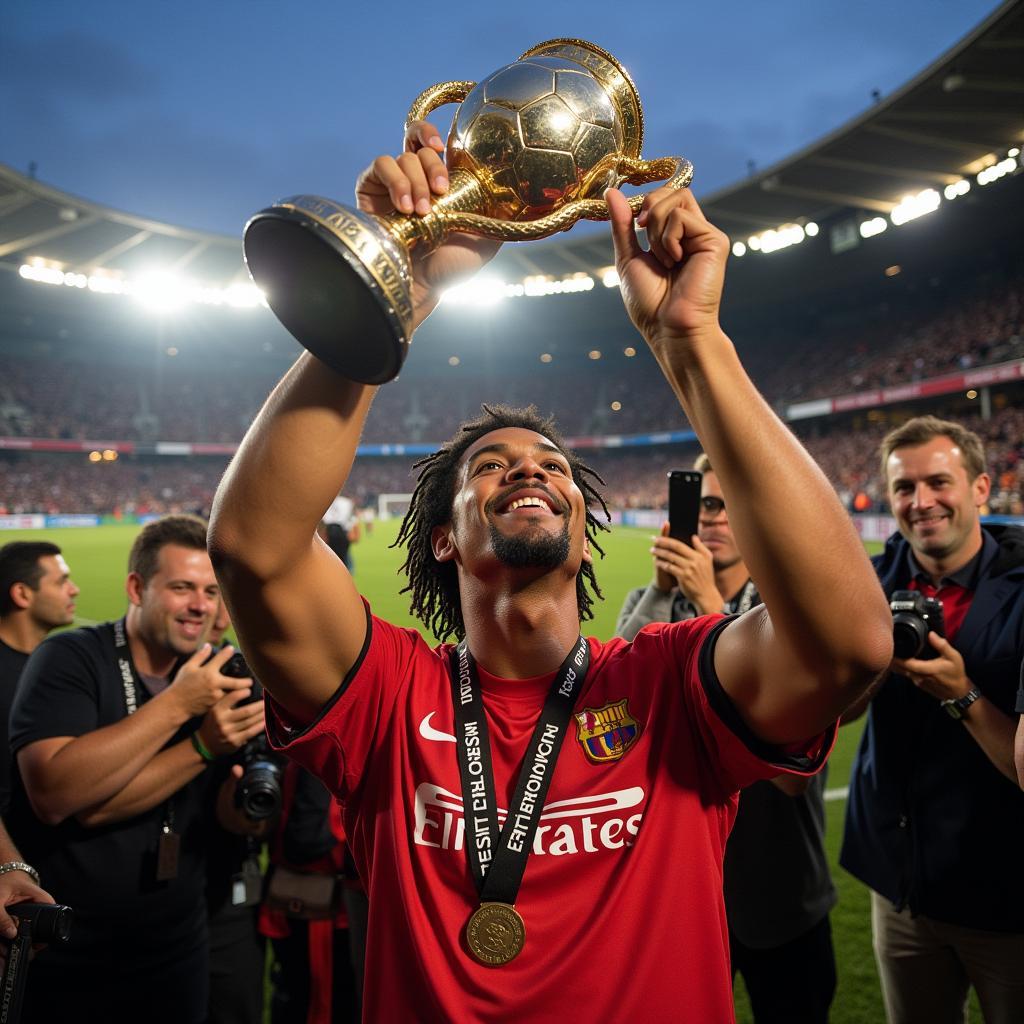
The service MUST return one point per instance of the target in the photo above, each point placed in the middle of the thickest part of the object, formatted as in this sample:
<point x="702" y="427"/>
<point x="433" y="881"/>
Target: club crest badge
<point x="605" y="734"/>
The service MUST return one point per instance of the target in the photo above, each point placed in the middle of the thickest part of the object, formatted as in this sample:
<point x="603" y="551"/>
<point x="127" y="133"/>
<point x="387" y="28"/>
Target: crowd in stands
<point x="634" y="477"/>
<point x="949" y="332"/>
<point x="177" y="399"/>
<point x="168" y="399"/>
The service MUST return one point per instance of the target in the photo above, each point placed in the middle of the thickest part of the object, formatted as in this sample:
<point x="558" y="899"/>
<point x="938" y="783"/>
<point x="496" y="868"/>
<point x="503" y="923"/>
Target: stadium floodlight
<point x="243" y="296"/>
<point x="160" y="291"/>
<point x="997" y="171"/>
<point x="106" y="285"/>
<point x="781" y="238"/>
<point x="875" y="226"/>
<point x="610" y="277"/>
<point x="811" y="229"/>
<point x="1015" y="152"/>
<point x="544" y="285"/>
<point x="912" y="207"/>
<point x="41" y="273"/>
<point x="774" y="239"/>
<point x="956" y="189"/>
<point x="480" y="291"/>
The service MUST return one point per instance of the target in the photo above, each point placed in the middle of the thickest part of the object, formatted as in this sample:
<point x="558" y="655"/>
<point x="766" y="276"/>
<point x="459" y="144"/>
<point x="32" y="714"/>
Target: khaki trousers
<point x="927" y="967"/>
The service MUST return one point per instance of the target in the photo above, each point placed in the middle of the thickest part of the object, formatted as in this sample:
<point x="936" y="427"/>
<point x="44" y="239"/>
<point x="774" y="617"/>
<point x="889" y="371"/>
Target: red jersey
<point x="622" y="895"/>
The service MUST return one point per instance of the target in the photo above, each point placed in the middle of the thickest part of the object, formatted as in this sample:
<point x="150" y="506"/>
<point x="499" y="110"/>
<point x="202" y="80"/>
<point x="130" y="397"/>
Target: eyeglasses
<point x="713" y="506"/>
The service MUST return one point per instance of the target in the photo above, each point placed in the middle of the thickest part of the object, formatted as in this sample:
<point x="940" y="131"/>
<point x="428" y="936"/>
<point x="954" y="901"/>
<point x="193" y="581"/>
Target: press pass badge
<point x="167" y="855"/>
<point x="247" y="885"/>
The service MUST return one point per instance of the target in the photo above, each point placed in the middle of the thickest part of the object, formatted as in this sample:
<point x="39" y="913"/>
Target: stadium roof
<point x="954" y="119"/>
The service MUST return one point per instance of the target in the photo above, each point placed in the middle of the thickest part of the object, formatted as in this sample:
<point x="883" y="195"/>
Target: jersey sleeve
<point x="739" y="755"/>
<point x="338" y="744"/>
<point x="58" y="693"/>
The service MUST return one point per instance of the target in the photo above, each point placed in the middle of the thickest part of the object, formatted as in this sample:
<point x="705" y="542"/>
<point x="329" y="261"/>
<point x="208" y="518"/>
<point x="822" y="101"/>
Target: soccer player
<point x="539" y="818"/>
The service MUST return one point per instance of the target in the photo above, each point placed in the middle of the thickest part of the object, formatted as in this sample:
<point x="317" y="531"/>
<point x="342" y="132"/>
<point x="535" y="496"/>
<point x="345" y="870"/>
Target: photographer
<point x="935" y="821"/>
<point x="234" y="879"/>
<point x="113" y="726"/>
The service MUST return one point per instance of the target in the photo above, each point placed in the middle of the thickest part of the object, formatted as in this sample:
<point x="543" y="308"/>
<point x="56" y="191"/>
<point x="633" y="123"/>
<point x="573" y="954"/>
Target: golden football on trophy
<point x="531" y="150"/>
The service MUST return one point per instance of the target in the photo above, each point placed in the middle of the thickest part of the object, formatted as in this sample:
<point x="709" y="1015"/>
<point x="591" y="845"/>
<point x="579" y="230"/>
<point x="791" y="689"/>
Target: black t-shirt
<point x="72" y="686"/>
<point x="11" y="664"/>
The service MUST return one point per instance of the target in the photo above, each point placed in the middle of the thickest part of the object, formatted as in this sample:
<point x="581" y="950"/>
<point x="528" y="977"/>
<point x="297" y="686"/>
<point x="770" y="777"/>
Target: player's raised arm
<point x="293" y="603"/>
<point x="825" y="631"/>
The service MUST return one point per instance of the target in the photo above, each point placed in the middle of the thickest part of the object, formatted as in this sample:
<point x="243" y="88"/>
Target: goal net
<point x="391" y="505"/>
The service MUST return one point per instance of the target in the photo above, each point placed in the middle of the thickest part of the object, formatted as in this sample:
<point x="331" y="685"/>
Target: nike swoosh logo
<point x="428" y="732"/>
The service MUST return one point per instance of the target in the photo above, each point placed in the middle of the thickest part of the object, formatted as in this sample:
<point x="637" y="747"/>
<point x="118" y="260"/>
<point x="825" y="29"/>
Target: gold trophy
<point x="531" y="150"/>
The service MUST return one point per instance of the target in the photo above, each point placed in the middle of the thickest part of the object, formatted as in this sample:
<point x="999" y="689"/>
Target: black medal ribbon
<point x="497" y="857"/>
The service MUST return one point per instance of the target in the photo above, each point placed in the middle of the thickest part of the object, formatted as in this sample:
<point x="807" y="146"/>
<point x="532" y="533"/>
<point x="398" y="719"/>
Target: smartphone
<point x="683" y="503"/>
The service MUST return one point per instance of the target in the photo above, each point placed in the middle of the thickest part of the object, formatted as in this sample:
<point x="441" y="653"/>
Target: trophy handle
<point x="678" y="170"/>
<point x="437" y="96"/>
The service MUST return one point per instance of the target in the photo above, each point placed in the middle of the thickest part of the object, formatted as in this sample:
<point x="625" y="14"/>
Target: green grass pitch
<point x="98" y="559"/>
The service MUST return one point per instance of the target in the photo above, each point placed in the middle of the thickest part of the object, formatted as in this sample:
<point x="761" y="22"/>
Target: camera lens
<point x="259" y="791"/>
<point x="909" y="635"/>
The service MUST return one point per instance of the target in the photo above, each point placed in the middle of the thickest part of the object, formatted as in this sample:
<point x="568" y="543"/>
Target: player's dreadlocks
<point x="434" y="585"/>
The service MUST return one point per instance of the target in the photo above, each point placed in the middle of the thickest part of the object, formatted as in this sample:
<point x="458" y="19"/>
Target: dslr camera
<point x="258" y="794"/>
<point x="913" y="617"/>
<point x="37" y="923"/>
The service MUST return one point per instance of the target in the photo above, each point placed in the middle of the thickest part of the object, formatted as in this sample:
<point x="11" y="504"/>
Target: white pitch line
<point x="837" y="794"/>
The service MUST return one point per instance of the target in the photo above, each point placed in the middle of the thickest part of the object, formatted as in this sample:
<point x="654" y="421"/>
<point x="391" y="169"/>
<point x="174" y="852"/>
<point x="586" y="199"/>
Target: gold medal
<point x="495" y="934"/>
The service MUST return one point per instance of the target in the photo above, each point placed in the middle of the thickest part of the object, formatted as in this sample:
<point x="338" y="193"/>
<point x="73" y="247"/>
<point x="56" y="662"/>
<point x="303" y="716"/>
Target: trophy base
<point x="337" y="281"/>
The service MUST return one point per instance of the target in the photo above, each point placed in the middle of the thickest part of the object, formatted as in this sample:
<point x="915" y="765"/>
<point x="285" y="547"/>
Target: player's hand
<point x="229" y="724"/>
<point x="674" y="291"/>
<point x="943" y="677"/>
<point x="407" y="183"/>
<point x="198" y="686"/>
<point x="689" y="567"/>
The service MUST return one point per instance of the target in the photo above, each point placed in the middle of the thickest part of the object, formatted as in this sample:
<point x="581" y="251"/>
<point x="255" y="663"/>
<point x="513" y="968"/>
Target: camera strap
<point x="169" y="843"/>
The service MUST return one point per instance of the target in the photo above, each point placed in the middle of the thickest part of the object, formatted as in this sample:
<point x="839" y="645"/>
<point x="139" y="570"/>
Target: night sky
<point x="201" y="113"/>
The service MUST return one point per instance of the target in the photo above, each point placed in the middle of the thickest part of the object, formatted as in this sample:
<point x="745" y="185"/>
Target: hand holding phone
<point x="683" y="503"/>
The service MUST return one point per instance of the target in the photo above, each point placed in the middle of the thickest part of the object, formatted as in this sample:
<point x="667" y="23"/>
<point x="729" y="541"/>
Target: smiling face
<point x="177" y="604"/>
<point x="516" y="504"/>
<point x="935" y="504"/>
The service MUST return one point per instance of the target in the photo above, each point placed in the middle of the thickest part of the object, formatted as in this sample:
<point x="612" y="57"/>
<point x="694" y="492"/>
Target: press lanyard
<point x="169" y="845"/>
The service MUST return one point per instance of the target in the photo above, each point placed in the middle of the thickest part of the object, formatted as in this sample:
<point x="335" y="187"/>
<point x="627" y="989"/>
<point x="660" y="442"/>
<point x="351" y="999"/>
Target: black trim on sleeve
<point x="292" y="735"/>
<point x="723" y="706"/>
<point x="1019" y="708"/>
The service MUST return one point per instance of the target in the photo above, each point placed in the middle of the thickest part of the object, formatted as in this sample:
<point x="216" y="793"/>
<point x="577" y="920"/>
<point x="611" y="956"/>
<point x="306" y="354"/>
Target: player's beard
<point x="532" y="549"/>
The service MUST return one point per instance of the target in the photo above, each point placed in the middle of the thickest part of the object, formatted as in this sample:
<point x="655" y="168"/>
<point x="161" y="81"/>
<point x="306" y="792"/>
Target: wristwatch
<point x="958" y="708"/>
